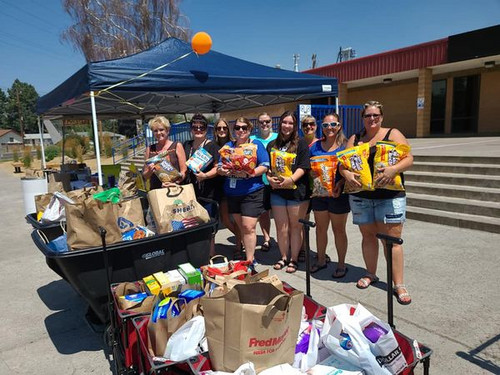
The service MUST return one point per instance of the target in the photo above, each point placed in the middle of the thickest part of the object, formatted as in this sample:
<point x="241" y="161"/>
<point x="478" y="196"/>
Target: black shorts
<point x="267" y="197"/>
<point x="251" y="205"/>
<point x="338" y="205"/>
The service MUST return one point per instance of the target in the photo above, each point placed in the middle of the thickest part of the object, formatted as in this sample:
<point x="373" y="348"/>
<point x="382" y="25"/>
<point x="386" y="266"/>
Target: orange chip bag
<point x="323" y="169"/>
<point x="242" y="158"/>
<point x="390" y="153"/>
<point x="355" y="159"/>
<point x="281" y="164"/>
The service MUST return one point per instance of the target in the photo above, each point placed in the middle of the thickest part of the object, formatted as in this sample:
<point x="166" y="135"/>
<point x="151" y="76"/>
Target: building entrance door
<point x="465" y="104"/>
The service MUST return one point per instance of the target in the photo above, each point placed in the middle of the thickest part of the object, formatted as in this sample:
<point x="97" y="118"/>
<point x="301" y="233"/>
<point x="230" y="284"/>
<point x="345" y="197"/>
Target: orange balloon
<point x="201" y="43"/>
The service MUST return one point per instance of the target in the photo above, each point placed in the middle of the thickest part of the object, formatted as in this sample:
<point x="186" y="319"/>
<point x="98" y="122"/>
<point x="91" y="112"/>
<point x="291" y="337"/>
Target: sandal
<point x="292" y="267"/>
<point x="265" y="246"/>
<point x="317" y="267"/>
<point x="404" y="297"/>
<point x="366" y="281"/>
<point x="340" y="273"/>
<point x="302" y="256"/>
<point x="280" y="264"/>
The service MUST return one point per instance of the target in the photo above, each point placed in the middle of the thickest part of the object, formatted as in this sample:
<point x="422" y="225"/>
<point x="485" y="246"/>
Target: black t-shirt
<point x="210" y="188"/>
<point x="302" y="160"/>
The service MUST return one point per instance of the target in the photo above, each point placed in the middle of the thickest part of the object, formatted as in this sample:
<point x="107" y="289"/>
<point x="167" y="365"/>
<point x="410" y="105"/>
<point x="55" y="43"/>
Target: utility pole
<point x="21" y="124"/>
<point x="296" y="57"/>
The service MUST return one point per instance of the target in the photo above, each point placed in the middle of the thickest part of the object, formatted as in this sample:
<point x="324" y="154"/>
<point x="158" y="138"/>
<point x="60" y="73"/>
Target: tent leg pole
<point x="96" y="137"/>
<point x="40" y="130"/>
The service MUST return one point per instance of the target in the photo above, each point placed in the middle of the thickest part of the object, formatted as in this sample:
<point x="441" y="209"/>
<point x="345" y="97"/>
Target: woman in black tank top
<point x="381" y="210"/>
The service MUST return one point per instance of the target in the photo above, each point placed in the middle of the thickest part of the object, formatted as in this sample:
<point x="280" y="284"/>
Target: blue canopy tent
<point x="171" y="78"/>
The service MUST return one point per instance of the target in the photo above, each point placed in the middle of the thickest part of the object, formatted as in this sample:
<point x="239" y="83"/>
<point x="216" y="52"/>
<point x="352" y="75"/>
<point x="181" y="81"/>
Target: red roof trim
<point x="398" y="60"/>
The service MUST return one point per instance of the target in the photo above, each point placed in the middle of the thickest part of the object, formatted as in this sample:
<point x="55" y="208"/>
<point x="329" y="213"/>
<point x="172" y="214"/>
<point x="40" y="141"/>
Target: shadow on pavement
<point x="58" y="295"/>
<point x="473" y="356"/>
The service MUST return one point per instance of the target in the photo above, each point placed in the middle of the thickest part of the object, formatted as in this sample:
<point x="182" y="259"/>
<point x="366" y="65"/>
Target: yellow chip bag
<point x="163" y="169"/>
<point x="323" y="169"/>
<point x="355" y="159"/>
<point x="281" y="164"/>
<point x="389" y="153"/>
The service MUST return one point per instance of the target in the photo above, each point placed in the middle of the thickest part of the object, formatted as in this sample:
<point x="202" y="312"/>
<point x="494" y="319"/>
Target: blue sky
<point x="263" y="31"/>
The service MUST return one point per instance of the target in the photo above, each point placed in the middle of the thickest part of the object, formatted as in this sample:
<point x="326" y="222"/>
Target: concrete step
<point x="456" y="191"/>
<point x="465" y="168"/>
<point x="460" y="205"/>
<point x="454" y="179"/>
<point x="495" y="160"/>
<point x="483" y="223"/>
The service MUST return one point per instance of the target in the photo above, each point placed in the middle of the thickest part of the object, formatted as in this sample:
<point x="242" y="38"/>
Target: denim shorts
<point x="277" y="200"/>
<point x="387" y="211"/>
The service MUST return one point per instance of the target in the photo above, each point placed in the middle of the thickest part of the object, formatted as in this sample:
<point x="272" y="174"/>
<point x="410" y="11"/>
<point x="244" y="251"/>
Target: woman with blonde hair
<point x="160" y="126"/>
<point x="309" y="127"/>
<point x="331" y="210"/>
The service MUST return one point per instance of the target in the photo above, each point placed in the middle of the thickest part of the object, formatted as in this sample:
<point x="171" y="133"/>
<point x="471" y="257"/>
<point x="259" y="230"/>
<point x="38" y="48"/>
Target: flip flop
<point x="292" y="267"/>
<point x="265" y="246"/>
<point x="402" y="295"/>
<point x="340" y="273"/>
<point x="363" y="283"/>
<point x="317" y="267"/>
<point x="280" y="264"/>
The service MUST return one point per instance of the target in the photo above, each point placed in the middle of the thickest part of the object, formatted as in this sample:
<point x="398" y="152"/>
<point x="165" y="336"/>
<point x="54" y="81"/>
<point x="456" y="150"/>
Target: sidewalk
<point x="451" y="274"/>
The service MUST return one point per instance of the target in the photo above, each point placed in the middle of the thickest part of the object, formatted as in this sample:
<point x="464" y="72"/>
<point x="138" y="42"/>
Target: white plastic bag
<point x="304" y="361"/>
<point x="55" y="209"/>
<point x="245" y="369"/>
<point x="183" y="344"/>
<point x="344" y="319"/>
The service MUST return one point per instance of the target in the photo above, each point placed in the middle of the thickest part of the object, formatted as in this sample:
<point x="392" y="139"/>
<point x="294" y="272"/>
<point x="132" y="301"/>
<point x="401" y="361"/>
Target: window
<point x="438" y="107"/>
<point x="465" y="104"/>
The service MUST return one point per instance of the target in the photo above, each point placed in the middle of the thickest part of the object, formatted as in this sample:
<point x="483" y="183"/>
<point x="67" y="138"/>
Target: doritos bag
<point x="242" y="158"/>
<point x="163" y="169"/>
<point x="323" y="169"/>
<point x="355" y="159"/>
<point x="281" y="164"/>
<point x="390" y="153"/>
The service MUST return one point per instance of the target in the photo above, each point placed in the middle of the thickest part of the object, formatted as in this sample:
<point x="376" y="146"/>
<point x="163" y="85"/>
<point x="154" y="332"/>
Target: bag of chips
<point x="281" y="164"/>
<point x="239" y="159"/>
<point x="163" y="169"/>
<point x="323" y="169"/>
<point x="199" y="160"/>
<point x="355" y="159"/>
<point x="389" y="153"/>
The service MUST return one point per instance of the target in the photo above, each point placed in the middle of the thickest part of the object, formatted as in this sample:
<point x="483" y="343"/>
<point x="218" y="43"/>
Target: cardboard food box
<point x="191" y="274"/>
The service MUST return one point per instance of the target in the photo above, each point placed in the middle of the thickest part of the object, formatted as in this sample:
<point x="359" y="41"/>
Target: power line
<point x="33" y="48"/>
<point x="26" y="12"/>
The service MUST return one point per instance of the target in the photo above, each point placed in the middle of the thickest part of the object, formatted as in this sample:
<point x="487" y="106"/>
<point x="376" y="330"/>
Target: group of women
<point x="245" y="197"/>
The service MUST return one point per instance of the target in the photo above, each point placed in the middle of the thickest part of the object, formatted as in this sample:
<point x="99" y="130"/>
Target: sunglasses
<point x="238" y="127"/>
<point x="265" y="122"/>
<point x="218" y="128"/>
<point x="328" y="124"/>
<point x="309" y="124"/>
<point x="375" y="116"/>
<point x="200" y="128"/>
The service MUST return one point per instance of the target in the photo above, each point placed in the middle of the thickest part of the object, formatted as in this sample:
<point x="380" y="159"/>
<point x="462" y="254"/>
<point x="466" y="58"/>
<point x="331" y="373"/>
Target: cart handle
<point x="389" y="239"/>
<point x="307" y="223"/>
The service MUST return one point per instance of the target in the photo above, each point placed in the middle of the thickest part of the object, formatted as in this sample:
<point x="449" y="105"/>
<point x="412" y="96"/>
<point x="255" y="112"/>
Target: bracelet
<point x="291" y="178"/>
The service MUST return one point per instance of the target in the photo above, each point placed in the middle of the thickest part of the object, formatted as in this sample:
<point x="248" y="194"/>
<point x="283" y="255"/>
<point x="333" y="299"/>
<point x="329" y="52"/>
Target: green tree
<point x="108" y="29"/>
<point x="21" y="107"/>
<point x="3" y="109"/>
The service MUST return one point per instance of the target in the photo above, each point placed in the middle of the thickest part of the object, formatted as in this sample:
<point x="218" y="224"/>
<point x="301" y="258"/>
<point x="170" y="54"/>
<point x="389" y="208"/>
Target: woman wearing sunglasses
<point x="266" y="135"/>
<point x="289" y="204"/>
<point x="381" y="210"/>
<point x="222" y="135"/>
<point x="331" y="210"/>
<point x="309" y="128"/>
<point x="245" y="192"/>
<point x="160" y="126"/>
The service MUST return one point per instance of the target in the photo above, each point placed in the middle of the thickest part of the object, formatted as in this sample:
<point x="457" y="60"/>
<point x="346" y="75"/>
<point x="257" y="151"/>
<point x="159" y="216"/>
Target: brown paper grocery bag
<point x="129" y="214"/>
<point x="252" y="323"/>
<point x="127" y="183"/>
<point x="42" y="201"/>
<point x="127" y="288"/>
<point x="159" y="199"/>
<point x="83" y="220"/>
<point x="161" y="331"/>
